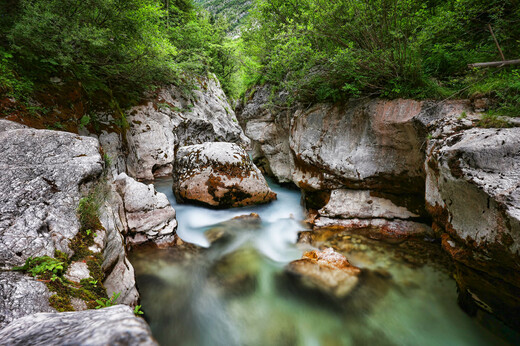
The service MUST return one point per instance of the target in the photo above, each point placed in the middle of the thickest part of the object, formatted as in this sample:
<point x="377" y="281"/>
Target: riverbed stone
<point x="327" y="271"/>
<point x="219" y="175"/>
<point x="149" y="215"/>
<point x="116" y="325"/>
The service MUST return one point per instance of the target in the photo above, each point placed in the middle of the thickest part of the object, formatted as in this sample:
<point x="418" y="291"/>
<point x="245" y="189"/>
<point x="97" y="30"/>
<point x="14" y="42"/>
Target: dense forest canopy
<point x="330" y="50"/>
<point x="316" y="50"/>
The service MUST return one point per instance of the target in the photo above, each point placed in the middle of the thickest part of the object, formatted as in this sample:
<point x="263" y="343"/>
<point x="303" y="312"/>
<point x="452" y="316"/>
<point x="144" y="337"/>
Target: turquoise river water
<point x="233" y="291"/>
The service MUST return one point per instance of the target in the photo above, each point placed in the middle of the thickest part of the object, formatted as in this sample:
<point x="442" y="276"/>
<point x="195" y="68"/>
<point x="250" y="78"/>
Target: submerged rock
<point x="148" y="213"/>
<point x="326" y="271"/>
<point x="228" y="229"/>
<point x="219" y="175"/>
<point x="116" y="325"/>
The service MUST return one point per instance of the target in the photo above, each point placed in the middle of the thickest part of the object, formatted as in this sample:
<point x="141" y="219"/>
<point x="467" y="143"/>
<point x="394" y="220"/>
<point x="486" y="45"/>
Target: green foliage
<point x="234" y="11"/>
<point x="328" y="51"/>
<point x="137" y="311"/>
<point x="106" y="302"/>
<point x="41" y="265"/>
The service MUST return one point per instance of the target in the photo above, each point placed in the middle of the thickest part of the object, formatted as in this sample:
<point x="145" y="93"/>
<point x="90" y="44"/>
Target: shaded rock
<point x="171" y="119"/>
<point x="21" y="295"/>
<point x="115" y="325"/>
<point x="473" y="193"/>
<point x="347" y="204"/>
<point x="112" y="145"/>
<point x="119" y="272"/>
<point x="326" y="271"/>
<point x="43" y="172"/>
<point x="149" y="215"/>
<point x="219" y="175"/>
<point x="383" y="229"/>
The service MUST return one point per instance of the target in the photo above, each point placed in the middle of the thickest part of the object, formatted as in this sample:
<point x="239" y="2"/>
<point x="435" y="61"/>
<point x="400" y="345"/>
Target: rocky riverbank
<point x="388" y="168"/>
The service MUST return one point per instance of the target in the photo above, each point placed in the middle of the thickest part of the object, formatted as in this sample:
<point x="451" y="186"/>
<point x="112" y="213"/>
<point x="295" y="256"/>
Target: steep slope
<point x="235" y="10"/>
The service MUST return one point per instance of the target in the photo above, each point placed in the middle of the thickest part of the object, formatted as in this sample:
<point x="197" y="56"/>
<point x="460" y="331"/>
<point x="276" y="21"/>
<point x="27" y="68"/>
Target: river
<point x="233" y="291"/>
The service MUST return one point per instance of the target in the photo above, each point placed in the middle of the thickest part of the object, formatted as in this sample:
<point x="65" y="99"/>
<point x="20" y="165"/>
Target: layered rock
<point x="326" y="271"/>
<point x="219" y="175"/>
<point x="148" y="214"/>
<point x="172" y="119"/>
<point x="115" y="325"/>
<point x="473" y="193"/>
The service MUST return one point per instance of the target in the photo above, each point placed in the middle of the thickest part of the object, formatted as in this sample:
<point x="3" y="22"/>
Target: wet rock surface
<point x="326" y="271"/>
<point x="148" y="213"/>
<point x="172" y="119"/>
<point x="219" y="175"/>
<point x="115" y="325"/>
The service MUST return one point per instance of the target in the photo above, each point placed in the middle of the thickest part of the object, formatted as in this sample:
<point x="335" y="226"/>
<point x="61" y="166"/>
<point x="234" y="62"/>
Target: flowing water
<point x="233" y="291"/>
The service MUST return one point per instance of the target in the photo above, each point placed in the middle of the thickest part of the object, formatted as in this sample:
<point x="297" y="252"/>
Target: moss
<point x="61" y="303"/>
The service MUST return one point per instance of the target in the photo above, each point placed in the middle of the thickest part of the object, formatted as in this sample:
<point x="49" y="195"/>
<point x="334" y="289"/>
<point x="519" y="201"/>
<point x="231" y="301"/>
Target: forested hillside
<point x="327" y="51"/>
<point x="115" y="50"/>
<point x="235" y="11"/>
<point x="315" y="50"/>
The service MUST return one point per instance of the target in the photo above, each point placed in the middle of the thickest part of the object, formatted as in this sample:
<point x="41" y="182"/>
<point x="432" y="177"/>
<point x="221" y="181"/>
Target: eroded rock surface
<point x="148" y="213"/>
<point x="473" y="193"/>
<point x="42" y="173"/>
<point x="171" y="120"/>
<point x="219" y="175"/>
<point x="21" y="295"/>
<point x="326" y="271"/>
<point x="115" y="325"/>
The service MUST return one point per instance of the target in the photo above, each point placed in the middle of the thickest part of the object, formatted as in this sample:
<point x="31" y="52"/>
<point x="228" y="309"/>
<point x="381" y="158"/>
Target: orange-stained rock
<point x="326" y="271"/>
<point x="220" y="175"/>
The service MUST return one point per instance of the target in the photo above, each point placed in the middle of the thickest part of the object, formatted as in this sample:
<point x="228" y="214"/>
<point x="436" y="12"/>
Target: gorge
<point x="267" y="172"/>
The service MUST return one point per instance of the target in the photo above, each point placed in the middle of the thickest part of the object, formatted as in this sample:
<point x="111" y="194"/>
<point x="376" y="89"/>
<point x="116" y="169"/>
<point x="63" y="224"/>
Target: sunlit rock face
<point x="327" y="271"/>
<point x="116" y="325"/>
<point x="172" y="119"/>
<point x="219" y="175"/>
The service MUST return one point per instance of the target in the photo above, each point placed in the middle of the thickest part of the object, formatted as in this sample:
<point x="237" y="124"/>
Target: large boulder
<point x="115" y="325"/>
<point x="369" y="145"/>
<point x="40" y="187"/>
<point x="219" y="175"/>
<point x="327" y="271"/>
<point x="148" y="213"/>
<point x="171" y="119"/>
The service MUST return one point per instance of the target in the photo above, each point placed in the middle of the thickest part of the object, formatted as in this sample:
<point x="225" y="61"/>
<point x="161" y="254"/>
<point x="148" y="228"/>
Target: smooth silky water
<point x="234" y="291"/>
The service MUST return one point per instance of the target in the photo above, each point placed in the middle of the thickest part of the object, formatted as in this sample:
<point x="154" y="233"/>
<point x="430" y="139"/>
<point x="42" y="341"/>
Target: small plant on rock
<point x="137" y="310"/>
<point x="105" y="302"/>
